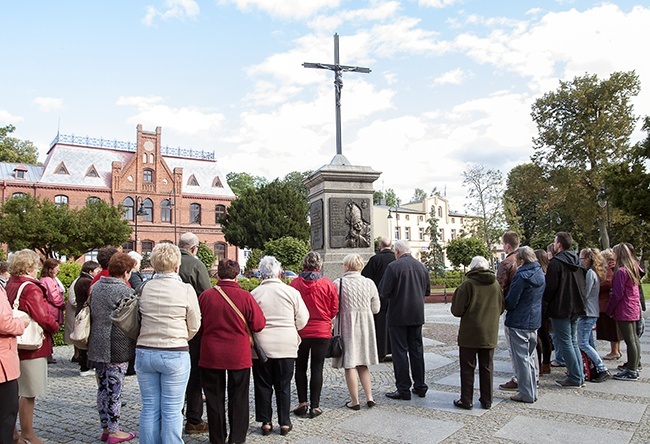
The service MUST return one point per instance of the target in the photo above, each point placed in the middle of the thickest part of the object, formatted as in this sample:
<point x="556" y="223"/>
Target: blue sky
<point x="452" y="81"/>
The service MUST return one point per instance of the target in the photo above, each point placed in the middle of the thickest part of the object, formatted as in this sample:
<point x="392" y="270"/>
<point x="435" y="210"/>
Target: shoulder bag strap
<point x="234" y="307"/>
<point x="339" y="315"/>
<point x="20" y="290"/>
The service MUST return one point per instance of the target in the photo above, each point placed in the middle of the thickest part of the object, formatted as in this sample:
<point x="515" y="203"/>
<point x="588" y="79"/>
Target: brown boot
<point x="546" y="369"/>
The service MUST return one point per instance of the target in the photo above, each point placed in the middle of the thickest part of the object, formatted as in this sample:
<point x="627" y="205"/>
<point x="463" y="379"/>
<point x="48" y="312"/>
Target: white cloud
<point x="174" y="9"/>
<point x="187" y="120"/>
<point x="438" y="4"/>
<point x="285" y="9"/>
<point x="6" y="118"/>
<point x="454" y="77"/>
<point x="47" y="104"/>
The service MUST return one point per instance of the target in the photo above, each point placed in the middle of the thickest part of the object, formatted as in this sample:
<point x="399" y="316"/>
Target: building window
<point x="441" y="234"/>
<point x="195" y="213"/>
<point x="220" y="251"/>
<point x="407" y="233"/>
<point x="148" y="207"/>
<point x="93" y="199"/>
<point x="396" y="216"/>
<point x="60" y="199"/>
<point x="147" y="175"/>
<point x="217" y="183"/>
<point x="439" y="211"/>
<point x="406" y="217"/>
<point x="421" y="233"/>
<point x="92" y="172"/>
<point x="219" y="213"/>
<point x="421" y="218"/>
<point x="128" y="208"/>
<point x="453" y="220"/>
<point x="166" y="211"/>
<point x="397" y="237"/>
<point x="128" y="246"/>
<point x="18" y="195"/>
<point x="147" y="246"/>
<point x="19" y="174"/>
<point x="453" y="233"/>
<point x="192" y="181"/>
<point x="61" y="169"/>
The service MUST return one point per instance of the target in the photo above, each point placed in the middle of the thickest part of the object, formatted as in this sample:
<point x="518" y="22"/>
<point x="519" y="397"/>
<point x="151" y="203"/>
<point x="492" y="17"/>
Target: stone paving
<point x="609" y="412"/>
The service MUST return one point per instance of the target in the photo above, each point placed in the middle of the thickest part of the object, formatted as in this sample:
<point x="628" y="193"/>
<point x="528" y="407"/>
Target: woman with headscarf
<point x="359" y="301"/>
<point x="108" y="347"/>
<point x="285" y="313"/>
<point x="24" y="266"/>
<point x="478" y="302"/>
<point x="322" y="301"/>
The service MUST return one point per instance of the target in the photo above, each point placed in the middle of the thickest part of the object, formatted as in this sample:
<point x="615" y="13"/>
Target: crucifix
<point x="338" y="85"/>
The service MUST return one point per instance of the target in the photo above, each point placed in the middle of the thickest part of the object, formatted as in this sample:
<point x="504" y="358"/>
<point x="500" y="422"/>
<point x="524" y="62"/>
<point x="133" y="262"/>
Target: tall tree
<point x="16" y="150"/>
<point x="99" y="224"/>
<point x="239" y="182"/>
<point x="296" y="180"/>
<point x="419" y="195"/>
<point x="388" y="198"/>
<point x="270" y="212"/>
<point x="583" y="127"/>
<point x="461" y="250"/>
<point x="434" y="258"/>
<point x="485" y="199"/>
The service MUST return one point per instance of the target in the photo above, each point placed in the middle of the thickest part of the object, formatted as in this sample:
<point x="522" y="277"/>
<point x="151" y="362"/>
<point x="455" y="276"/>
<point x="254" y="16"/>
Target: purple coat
<point x="624" y="304"/>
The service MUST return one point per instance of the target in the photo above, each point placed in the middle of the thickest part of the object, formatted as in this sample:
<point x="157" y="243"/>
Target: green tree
<point x="461" y="250"/>
<point x="583" y="127"/>
<point x="296" y="180"/>
<point x="433" y="258"/>
<point x="16" y="150"/>
<point x="419" y="195"/>
<point x="485" y="199"/>
<point x="270" y="212"/>
<point x="289" y="251"/>
<point x="99" y="224"/>
<point x="68" y="272"/>
<point x="205" y="255"/>
<point x="254" y="259"/>
<point x="239" y="182"/>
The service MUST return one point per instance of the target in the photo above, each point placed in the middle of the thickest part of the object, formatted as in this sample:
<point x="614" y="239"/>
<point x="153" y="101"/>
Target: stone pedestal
<point x="340" y="198"/>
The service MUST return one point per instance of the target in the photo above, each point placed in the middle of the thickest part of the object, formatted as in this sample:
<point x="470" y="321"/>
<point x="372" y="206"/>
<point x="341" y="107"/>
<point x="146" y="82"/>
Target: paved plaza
<point x="609" y="412"/>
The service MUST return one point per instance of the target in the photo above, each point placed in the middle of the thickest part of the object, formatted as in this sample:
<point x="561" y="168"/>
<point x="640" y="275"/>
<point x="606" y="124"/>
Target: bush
<point x="68" y="272"/>
<point x="452" y="279"/>
<point x="289" y="251"/>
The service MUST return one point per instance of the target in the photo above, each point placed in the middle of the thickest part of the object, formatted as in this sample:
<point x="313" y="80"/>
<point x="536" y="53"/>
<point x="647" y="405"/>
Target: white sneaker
<point x="90" y="372"/>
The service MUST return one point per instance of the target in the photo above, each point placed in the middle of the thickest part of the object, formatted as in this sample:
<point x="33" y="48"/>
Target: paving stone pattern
<point x="610" y="412"/>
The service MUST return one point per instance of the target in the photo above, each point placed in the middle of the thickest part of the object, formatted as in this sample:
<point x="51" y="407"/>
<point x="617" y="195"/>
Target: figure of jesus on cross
<point x="338" y="85"/>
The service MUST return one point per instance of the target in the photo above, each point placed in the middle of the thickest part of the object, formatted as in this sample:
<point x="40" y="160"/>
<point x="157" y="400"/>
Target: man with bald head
<point x="374" y="270"/>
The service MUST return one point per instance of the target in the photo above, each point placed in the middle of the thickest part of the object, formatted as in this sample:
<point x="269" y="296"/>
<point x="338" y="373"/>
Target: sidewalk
<point x="609" y="412"/>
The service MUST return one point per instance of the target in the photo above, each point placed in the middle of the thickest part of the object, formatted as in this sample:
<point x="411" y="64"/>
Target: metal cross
<point x="338" y="84"/>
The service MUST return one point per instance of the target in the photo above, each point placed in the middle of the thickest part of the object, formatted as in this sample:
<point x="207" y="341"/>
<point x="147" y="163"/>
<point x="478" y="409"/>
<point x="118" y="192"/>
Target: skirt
<point x="607" y="330"/>
<point x="32" y="381"/>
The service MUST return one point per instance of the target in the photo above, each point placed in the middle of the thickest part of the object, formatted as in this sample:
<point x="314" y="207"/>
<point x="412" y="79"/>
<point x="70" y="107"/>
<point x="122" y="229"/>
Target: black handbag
<point x="335" y="344"/>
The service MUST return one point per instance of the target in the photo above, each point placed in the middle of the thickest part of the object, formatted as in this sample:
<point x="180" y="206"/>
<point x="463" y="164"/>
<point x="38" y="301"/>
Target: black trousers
<point x="83" y="360"/>
<point x="467" y="358"/>
<point x="8" y="410"/>
<point x="274" y="374"/>
<point x="318" y="348"/>
<point x="406" y="342"/>
<point x="214" y="385"/>
<point x="194" y="390"/>
<point x="381" y="332"/>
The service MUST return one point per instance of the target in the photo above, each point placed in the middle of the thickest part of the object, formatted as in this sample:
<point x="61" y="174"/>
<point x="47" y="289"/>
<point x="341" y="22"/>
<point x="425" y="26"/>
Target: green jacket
<point x="193" y="272"/>
<point x="478" y="302"/>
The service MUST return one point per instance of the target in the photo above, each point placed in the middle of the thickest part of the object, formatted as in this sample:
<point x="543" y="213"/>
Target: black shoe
<point x="486" y="405"/>
<point x="460" y="405"/>
<point x="284" y="430"/>
<point x="388" y="358"/>
<point x="314" y="412"/>
<point x="420" y="393"/>
<point x="267" y="428"/>
<point x="301" y="411"/>
<point x="371" y="404"/>
<point x="602" y="376"/>
<point x="353" y="407"/>
<point x="397" y="395"/>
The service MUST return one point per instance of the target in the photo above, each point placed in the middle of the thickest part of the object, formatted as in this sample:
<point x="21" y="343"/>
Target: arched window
<point x="147" y="246"/>
<point x="148" y="206"/>
<point x="195" y="213"/>
<point x="18" y="195"/>
<point x="60" y="199"/>
<point x="219" y="213"/>
<point x="166" y="211"/>
<point x="147" y="175"/>
<point x="128" y="208"/>
<point x="93" y="199"/>
<point x="220" y="251"/>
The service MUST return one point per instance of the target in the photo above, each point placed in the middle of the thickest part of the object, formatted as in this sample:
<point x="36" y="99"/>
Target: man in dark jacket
<point x="564" y="298"/>
<point x="374" y="270"/>
<point x="405" y="284"/>
<point x="194" y="272"/>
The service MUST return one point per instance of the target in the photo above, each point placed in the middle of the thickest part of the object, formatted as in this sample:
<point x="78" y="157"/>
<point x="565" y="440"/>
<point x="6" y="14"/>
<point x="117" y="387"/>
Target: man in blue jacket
<point x="405" y="284"/>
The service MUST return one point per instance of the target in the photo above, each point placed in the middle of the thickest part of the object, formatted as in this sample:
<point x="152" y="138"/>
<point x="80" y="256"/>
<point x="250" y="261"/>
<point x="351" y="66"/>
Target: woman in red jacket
<point x="322" y="301"/>
<point x="32" y="382"/>
<point x="226" y="349"/>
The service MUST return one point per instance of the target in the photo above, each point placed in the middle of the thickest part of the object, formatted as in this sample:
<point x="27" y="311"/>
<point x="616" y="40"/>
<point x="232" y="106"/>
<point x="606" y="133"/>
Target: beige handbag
<point x="32" y="337"/>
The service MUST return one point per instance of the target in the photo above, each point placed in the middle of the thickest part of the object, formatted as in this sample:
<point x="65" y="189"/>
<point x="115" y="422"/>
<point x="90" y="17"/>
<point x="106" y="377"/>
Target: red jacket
<point x="33" y="301"/>
<point x="225" y="344"/>
<point x="322" y="301"/>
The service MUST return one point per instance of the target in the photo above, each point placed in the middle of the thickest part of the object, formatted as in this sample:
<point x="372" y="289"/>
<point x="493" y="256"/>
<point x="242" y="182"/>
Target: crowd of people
<point x="197" y="340"/>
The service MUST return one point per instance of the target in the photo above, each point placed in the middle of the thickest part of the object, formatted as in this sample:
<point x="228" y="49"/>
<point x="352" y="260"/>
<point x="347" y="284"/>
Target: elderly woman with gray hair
<point x="359" y="301"/>
<point x="285" y="313"/>
<point x="523" y="318"/>
<point x="478" y="302"/>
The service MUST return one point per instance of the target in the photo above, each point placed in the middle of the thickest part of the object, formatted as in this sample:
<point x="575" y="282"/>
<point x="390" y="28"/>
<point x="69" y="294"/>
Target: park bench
<point x="438" y="294"/>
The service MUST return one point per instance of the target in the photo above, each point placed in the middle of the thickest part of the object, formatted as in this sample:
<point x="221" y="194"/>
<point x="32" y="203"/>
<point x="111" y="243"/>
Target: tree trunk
<point x="604" y="236"/>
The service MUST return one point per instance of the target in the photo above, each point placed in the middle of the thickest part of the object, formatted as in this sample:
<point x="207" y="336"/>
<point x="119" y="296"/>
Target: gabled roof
<point x="33" y="172"/>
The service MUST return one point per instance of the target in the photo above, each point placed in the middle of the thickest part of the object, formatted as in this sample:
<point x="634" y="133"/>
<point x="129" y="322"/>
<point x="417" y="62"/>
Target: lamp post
<point x="172" y="204"/>
<point x="604" y="229"/>
<point x="395" y="208"/>
<point x="142" y="211"/>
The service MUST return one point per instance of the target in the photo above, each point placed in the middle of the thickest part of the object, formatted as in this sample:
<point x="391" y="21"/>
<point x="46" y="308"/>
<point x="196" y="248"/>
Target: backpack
<point x="589" y="368"/>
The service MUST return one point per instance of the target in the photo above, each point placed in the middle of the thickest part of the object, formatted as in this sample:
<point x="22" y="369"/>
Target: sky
<point x="452" y="81"/>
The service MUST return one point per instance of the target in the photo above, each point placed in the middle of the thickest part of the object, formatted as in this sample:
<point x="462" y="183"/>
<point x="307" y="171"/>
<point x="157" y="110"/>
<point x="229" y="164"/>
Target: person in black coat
<point x="405" y="284"/>
<point x="374" y="270"/>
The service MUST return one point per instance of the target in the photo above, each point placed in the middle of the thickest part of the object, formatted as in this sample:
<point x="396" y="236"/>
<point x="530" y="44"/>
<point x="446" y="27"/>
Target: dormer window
<point x="192" y="181"/>
<point x="20" y="172"/>
<point x="61" y="169"/>
<point x="217" y="183"/>
<point x="92" y="172"/>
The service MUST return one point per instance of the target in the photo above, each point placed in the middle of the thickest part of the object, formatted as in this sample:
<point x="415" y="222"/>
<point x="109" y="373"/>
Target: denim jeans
<point x="586" y="341"/>
<point x="566" y="339"/>
<point x="162" y="376"/>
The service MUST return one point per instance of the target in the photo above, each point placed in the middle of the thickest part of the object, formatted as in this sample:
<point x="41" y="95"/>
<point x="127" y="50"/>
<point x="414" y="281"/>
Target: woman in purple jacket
<point x="625" y="307"/>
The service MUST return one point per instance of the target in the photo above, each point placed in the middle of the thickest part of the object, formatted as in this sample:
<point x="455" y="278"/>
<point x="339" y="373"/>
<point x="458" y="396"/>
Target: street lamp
<point x="603" y="202"/>
<point x="142" y="211"/>
<point x="395" y="208"/>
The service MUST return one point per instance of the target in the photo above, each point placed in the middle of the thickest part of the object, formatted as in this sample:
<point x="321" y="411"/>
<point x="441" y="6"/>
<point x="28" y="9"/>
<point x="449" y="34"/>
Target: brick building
<point x="165" y="191"/>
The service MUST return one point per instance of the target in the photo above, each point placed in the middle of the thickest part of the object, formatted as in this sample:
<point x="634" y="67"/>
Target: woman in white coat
<point x="359" y="300"/>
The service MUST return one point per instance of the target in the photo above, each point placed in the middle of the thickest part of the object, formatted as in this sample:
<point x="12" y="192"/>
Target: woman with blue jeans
<point x="170" y="317"/>
<point x="595" y="265"/>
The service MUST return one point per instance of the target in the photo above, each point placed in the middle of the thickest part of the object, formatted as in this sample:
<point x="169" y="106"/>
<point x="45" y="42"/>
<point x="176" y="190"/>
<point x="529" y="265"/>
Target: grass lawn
<point x="646" y="291"/>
